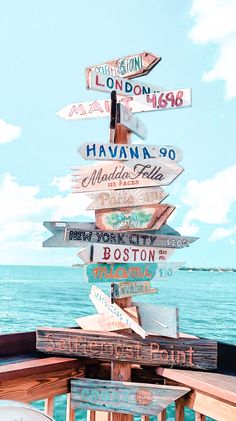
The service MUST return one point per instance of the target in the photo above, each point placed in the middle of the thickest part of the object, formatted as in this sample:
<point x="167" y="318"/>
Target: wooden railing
<point x="28" y="376"/>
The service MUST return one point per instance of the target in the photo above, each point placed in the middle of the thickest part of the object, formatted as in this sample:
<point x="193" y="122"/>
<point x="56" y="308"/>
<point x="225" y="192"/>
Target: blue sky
<point x="45" y="47"/>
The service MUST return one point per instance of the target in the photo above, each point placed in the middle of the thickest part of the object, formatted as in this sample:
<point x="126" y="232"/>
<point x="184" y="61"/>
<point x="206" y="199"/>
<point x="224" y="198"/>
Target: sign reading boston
<point x="155" y="172"/>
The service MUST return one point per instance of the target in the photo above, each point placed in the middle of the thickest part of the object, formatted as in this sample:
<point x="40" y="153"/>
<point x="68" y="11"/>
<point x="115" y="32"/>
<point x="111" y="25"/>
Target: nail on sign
<point x="129" y="66"/>
<point x="165" y="100"/>
<point x="115" y="152"/>
<point x="99" y="253"/>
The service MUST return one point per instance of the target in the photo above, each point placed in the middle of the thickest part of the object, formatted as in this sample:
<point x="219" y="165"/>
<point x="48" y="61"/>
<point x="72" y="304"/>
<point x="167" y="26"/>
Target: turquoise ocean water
<point x="33" y="296"/>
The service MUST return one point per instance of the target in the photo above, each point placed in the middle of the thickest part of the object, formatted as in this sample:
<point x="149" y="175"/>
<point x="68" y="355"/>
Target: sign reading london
<point x="129" y="66"/>
<point x="164" y="100"/>
<point x="154" y="172"/>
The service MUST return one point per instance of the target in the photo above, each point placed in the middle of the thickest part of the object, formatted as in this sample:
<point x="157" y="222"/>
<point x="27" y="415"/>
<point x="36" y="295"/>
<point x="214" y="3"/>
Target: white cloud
<point x="215" y="23"/>
<point x="210" y="200"/>
<point x="62" y="183"/>
<point x="222" y="232"/>
<point x="23" y="212"/>
<point x="9" y="132"/>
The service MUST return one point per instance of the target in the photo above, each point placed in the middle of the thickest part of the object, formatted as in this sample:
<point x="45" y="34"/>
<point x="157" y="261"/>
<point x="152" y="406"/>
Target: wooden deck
<point x="28" y="376"/>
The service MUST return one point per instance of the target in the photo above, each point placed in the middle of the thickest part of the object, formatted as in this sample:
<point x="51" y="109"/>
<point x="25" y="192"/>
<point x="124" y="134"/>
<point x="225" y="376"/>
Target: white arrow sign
<point x="128" y="174"/>
<point x="103" y="83"/>
<point x="111" y="151"/>
<point x="103" y="305"/>
<point x="110" y="253"/>
<point x="165" y="100"/>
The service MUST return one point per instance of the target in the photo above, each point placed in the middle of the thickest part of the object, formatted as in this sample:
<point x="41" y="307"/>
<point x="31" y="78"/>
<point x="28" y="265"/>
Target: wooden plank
<point x="103" y="304"/>
<point x="221" y="386"/>
<point x="199" y="417"/>
<point x="128" y="174"/>
<point x="106" y="322"/>
<point x="211" y="407"/>
<point x="159" y="320"/>
<point x="103" y="83"/>
<point x="129" y="66"/>
<point x="100" y="108"/>
<point x="158" y="351"/>
<point x="179" y="410"/>
<point x="136" y="218"/>
<point x="49" y="406"/>
<point x="162" y="416"/>
<point x="120" y="272"/>
<point x="117" y="152"/>
<point x="76" y="234"/>
<point x="14" y="411"/>
<point x="127" y="289"/>
<point x="99" y="253"/>
<point x="130" y="121"/>
<point x="70" y="412"/>
<point x="17" y="343"/>
<point x="124" y="397"/>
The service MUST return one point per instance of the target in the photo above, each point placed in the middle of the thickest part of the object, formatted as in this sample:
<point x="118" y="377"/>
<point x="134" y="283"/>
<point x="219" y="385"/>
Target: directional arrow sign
<point x="99" y="253"/>
<point x="129" y="398"/>
<point x="164" y="100"/>
<point x="125" y="198"/>
<point x="103" y="83"/>
<point x="129" y="66"/>
<point x="116" y="152"/>
<point x="105" y="322"/>
<point x="103" y="304"/>
<point x="128" y="289"/>
<point x="120" y="272"/>
<point x="137" y="218"/>
<point x="130" y="121"/>
<point x="117" y="175"/>
<point x="76" y="234"/>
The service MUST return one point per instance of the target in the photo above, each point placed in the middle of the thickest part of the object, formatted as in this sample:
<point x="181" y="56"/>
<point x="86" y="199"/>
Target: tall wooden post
<point x="119" y="370"/>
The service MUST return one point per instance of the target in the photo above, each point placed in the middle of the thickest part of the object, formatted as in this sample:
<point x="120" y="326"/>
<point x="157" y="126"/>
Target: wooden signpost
<point x="99" y="82"/>
<point x="194" y="353"/>
<point x="125" y="198"/>
<point x="165" y="100"/>
<point x="110" y="253"/>
<point x="123" y="397"/>
<point x="116" y="152"/>
<point x="128" y="174"/>
<point x="127" y="289"/>
<point x="130" y="121"/>
<point x="106" y="322"/>
<point x="77" y="234"/>
<point x="159" y="320"/>
<point x="129" y="66"/>
<point x="120" y="272"/>
<point x="136" y="218"/>
<point x="103" y="304"/>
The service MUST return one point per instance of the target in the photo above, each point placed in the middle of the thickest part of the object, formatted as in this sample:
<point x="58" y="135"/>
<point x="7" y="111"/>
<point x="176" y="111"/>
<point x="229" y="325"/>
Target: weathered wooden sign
<point x="110" y="253"/>
<point x="137" y="218"/>
<point x="124" y="198"/>
<point x="149" y="102"/>
<point x="127" y="289"/>
<point x="76" y="234"/>
<point x="159" y="320"/>
<point x="17" y="411"/>
<point x="103" y="304"/>
<point x="123" y="397"/>
<point x="103" y="83"/>
<point x="129" y="66"/>
<point x="167" y="269"/>
<point x="128" y="174"/>
<point x="106" y="322"/>
<point x="194" y="353"/>
<point x="120" y="272"/>
<point x="130" y="121"/>
<point x="116" y="152"/>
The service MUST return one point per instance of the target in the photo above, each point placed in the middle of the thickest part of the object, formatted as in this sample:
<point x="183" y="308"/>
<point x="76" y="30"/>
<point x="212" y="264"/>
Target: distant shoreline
<point x="189" y="269"/>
